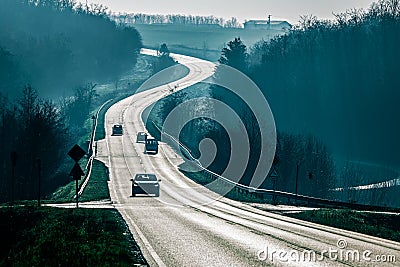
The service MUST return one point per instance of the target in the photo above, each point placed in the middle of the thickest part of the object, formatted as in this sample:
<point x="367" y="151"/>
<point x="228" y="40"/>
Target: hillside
<point x="204" y="41"/>
<point x="338" y="80"/>
<point x="57" y="45"/>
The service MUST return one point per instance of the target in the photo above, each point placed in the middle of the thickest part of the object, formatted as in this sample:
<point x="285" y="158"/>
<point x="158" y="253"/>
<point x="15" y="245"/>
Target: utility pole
<point x="14" y="157"/>
<point x="297" y="177"/>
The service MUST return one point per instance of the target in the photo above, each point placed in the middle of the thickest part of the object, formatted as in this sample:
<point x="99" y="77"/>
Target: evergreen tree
<point x="163" y="60"/>
<point x="234" y="55"/>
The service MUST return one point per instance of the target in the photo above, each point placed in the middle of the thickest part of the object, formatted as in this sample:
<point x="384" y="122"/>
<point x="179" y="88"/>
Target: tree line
<point x="32" y="129"/>
<point x="140" y="18"/>
<point x="56" y="45"/>
<point x="333" y="89"/>
<point x="338" y="80"/>
<point x="50" y="52"/>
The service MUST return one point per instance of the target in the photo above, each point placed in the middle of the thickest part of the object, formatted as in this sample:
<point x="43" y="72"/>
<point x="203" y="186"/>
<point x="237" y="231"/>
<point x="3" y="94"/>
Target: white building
<point x="278" y="25"/>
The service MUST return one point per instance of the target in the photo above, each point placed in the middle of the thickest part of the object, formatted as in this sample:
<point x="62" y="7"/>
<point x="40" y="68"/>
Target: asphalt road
<point x="189" y="225"/>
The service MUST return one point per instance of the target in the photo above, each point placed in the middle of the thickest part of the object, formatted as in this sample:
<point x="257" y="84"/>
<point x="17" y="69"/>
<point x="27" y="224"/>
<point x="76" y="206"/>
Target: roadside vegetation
<point x="315" y="175"/>
<point x="66" y="237"/>
<point x="164" y="60"/>
<point x="31" y="129"/>
<point x="384" y="225"/>
<point x="48" y="87"/>
<point x="306" y="70"/>
<point x="128" y="84"/>
<point x="306" y="75"/>
<point x="220" y="187"/>
<point x="321" y="80"/>
<point x="50" y="64"/>
<point x="337" y="80"/>
<point x="96" y="188"/>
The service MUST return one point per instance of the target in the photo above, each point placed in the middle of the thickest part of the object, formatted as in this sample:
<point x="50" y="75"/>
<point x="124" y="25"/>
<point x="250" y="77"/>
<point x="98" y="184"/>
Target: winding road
<point x="188" y="225"/>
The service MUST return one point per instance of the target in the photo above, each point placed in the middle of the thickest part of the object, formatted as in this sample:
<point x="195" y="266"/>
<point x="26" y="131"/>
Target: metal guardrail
<point x="91" y="151"/>
<point x="262" y="193"/>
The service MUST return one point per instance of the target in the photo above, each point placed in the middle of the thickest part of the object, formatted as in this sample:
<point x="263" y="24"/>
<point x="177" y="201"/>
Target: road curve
<point x="178" y="229"/>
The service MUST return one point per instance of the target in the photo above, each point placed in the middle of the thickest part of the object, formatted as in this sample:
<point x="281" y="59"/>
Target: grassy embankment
<point x="75" y="237"/>
<point x="96" y="188"/>
<point x="96" y="237"/>
<point x="65" y="237"/>
<point x="376" y="224"/>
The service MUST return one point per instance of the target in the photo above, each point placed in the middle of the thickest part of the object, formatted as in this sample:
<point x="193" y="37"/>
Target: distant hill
<point x="200" y="36"/>
<point x="204" y="41"/>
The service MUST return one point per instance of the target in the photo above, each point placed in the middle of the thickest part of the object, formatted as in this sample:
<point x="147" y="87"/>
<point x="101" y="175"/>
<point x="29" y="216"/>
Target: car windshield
<point x="145" y="177"/>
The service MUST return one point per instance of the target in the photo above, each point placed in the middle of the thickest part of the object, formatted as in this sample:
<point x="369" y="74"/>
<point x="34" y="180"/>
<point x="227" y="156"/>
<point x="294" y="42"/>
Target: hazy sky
<point x="241" y="9"/>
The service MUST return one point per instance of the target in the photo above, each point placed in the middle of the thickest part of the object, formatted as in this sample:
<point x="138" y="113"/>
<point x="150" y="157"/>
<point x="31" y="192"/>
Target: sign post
<point x="76" y="153"/>
<point x="76" y="174"/>
<point x="274" y="175"/>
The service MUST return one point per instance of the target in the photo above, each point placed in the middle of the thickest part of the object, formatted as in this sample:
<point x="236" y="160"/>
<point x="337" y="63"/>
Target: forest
<point x="52" y="54"/>
<point x="337" y="80"/>
<point x="333" y="89"/>
<point x="56" y="45"/>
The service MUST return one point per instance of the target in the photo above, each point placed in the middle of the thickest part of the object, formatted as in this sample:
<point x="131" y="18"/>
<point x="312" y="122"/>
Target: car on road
<point x="151" y="146"/>
<point x="145" y="183"/>
<point x="141" y="137"/>
<point x="117" y="129"/>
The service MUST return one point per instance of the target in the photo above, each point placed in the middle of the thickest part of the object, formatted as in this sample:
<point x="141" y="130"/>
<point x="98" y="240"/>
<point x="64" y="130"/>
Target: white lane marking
<point x="146" y="243"/>
<point x="193" y="75"/>
<point x="140" y="235"/>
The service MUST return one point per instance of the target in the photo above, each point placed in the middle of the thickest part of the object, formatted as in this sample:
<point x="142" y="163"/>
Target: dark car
<point x="141" y="137"/>
<point x="151" y="146"/>
<point x="117" y="129"/>
<point x="145" y="184"/>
